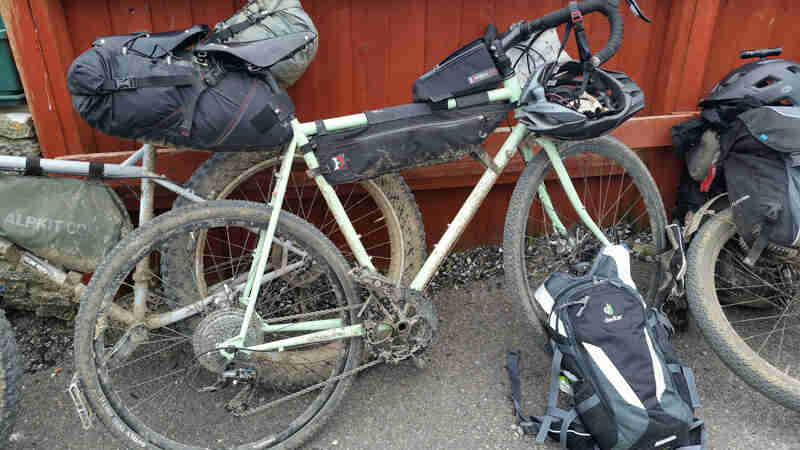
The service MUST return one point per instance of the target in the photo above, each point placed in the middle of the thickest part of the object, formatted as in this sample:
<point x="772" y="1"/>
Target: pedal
<point x="79" y="401"/>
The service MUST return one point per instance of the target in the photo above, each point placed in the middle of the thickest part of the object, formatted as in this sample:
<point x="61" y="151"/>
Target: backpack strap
<point x="698" y="425"/>
<point x="224" y="34"/>
<point x="527" y="423"/>
<point x="552" y="411"/>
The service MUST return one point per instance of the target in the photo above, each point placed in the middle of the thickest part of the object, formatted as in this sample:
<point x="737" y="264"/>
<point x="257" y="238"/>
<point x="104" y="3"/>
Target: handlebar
<point x="522" y="31"/>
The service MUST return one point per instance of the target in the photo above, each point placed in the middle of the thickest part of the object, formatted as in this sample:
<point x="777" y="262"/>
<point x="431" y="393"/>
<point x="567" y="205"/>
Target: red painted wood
<point x="171" y="14"/>
<point x="86" y="25"/>
<point x="691" y="90"/>
<point x="29" y="56"/>
<point x="211" y="12"/>
<point x="58" y="56"/>
<point x="773" y="23"/>
<point x="406" y="49"/>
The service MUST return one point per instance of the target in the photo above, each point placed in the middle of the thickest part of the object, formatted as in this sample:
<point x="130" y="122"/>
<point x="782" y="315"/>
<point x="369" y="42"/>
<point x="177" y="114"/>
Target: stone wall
<point x="20" y="288"/>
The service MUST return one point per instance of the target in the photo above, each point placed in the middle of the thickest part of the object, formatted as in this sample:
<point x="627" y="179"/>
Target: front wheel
<point x="618" y="192"/>
<point x="163" y="380"/>
<point x="749" y="315"/>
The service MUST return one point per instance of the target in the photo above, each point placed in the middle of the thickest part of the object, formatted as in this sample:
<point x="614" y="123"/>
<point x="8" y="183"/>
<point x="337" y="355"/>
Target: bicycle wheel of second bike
<point x="749" y="315"/>
<point x="157" y="380"/>
<point x="618" y="192"/>
<point x="383" y="210"/>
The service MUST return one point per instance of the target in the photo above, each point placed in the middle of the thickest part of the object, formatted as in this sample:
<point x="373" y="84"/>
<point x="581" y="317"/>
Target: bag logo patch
<point x="338" y="163"/>
<point x="480" y="76"/>
<point x="610" y="316"/>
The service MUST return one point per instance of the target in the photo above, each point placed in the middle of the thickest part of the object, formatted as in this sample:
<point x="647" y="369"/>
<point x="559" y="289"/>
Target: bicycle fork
<point x="572" y="195"/>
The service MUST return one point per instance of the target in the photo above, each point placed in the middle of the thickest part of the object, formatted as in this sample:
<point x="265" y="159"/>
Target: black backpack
<point x="762" y="174"/>
<point x="614" y="358"/>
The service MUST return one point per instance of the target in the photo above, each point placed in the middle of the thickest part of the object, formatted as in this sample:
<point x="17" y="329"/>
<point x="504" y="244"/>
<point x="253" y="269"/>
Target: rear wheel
<point x="383" y="210"/>
<point x="749" y="315"/>
<point x="165" y="381"/>
<point x="619" y="194"/>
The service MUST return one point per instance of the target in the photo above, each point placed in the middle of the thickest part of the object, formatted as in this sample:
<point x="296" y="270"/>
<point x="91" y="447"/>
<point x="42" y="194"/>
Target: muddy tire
<point x="617" y="190"/>
<point x="150" y="386"/>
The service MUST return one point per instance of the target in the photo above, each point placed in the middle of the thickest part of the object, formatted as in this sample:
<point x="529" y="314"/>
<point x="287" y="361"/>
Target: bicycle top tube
<point x="510" y="91"/>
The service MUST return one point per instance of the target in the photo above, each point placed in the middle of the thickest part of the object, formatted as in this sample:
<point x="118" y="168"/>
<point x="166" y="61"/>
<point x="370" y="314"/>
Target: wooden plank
<point x="212" y="11"/>
<point x="406" y="49"/>
<point x="28" y="53"/>
<point x="701" y="37"/>
<point x="327" y="88"/>
<point x="443" y="30"/>
<point x="166" y="15"/>
<point x="87" y="22"/>
<point x="742" y="26"/>
<point x="673" y="60"/>
<point x="128" y="16"/>
<point x="58" y="56"/>
<point x="370" y="26"/>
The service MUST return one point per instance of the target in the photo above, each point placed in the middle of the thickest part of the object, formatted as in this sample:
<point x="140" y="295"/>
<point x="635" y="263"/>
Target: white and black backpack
<point x="614" y="358"/>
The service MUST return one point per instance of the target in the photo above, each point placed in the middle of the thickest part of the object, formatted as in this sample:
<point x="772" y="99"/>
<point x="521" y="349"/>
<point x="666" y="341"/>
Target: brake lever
<point x="638" y="11"/>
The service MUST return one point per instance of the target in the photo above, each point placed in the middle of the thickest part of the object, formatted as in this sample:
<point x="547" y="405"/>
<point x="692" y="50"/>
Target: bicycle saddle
<point x="261" y="53"/>
<point x="155" y="45"/>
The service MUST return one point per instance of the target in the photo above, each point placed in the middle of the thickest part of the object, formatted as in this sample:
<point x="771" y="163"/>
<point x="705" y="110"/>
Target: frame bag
<point x="614" y="359"/>
<point x="762" y="174"/>
<point x="148" y="87"/>
<point x="404" y="137"/>
<point x="69" y="222"/>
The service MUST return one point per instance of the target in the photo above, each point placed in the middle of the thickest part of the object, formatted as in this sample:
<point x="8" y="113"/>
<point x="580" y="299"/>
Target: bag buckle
<point x="575" y="13"/>
<point x="213" y="77"/>
<point x="124" y="84"/>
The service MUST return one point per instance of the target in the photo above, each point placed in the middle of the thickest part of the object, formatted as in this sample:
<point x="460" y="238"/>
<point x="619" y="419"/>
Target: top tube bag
<point x="404" y="137"/>
<point x="470" y="69"/>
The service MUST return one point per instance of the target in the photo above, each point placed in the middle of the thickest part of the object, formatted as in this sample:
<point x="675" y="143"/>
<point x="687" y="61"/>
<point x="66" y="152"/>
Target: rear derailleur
<point x="400" y="323"/>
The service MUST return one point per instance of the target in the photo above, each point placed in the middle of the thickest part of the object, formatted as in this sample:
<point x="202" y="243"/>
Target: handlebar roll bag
<point x="405" y="137"/>
<point x="179" y="100"/>
<point x="69" y="222"/>
<point x="468" y="70"/>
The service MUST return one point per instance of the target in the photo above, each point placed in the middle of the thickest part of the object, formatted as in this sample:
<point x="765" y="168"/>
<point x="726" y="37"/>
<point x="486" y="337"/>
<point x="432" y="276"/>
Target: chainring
<point x="401" y="323"/>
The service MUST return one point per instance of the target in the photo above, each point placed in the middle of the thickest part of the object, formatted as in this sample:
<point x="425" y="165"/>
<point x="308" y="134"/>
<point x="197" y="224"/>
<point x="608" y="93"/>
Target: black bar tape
<point x="96" y="170"/>
<point x="33" y="166"/>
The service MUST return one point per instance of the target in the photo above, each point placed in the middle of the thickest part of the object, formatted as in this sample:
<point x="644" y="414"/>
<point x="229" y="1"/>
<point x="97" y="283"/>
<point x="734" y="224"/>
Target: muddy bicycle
<point x="230" y="324"/>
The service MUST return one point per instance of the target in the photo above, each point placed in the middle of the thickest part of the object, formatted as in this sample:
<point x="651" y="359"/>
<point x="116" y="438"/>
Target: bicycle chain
<point x="320" y="385"/>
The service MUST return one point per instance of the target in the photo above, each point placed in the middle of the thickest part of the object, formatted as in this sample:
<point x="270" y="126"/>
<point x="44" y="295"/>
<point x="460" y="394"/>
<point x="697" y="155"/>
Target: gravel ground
<point x="459" y="402"/>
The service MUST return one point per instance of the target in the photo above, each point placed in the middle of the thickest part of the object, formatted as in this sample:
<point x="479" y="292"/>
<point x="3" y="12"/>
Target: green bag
<point x="269" y="19"/>
<point x="69" y="222"/>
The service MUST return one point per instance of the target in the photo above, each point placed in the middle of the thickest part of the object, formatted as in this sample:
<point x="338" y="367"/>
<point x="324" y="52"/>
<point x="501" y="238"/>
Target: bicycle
<point x="258" y="309"/>
<point x="747" y="312"/>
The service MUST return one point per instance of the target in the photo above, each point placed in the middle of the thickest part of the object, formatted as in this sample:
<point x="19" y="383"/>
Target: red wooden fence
<point x="371" y="52"/>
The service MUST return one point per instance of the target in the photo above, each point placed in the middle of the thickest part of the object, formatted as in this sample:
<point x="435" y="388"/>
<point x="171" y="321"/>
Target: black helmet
<point x="551" y="106"/>
<point x="773" y="82"/>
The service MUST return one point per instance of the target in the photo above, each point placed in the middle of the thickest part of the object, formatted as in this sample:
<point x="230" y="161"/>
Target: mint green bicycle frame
<point x="332" y="329"/>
